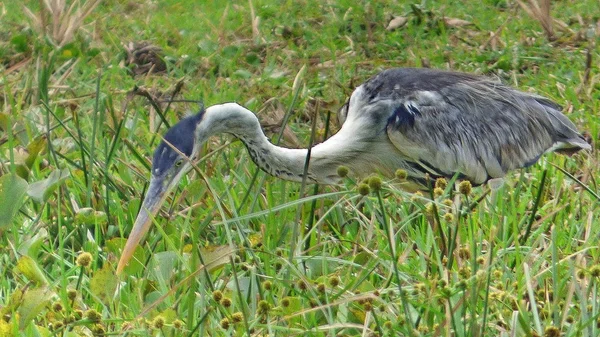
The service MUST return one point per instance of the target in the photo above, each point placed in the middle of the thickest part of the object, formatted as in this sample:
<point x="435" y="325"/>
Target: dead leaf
<point x="455" y="23"/>
<point x="215" y="257"/>
<point x="397" y="22"/>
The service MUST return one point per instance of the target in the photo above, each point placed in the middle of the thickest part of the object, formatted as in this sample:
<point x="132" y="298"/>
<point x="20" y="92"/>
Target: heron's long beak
<point x="157" y="192"/>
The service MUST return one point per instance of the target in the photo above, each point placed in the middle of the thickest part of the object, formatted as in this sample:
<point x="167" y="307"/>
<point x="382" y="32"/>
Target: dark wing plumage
<point x="446" y="123"/>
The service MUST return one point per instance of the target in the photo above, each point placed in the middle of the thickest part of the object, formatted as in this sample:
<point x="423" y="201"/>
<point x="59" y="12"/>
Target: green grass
<point x="242" y="253"/>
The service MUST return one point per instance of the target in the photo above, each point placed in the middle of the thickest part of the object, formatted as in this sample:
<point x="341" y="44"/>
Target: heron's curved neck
<point x="278" y="161"/>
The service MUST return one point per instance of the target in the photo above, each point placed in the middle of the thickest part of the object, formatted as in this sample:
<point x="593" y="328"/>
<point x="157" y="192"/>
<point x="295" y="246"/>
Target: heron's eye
<point x="178" y="163"/>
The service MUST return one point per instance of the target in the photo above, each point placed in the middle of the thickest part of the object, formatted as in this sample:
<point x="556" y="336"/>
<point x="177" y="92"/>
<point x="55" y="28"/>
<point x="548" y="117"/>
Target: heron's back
<point x="444" y="123"/>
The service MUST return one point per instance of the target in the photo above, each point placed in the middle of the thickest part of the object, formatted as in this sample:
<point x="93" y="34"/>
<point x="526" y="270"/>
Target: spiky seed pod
<point x="416" y="196"/>
<point x="449" y="217"/>
<point x="342" y="171"/>
<point x="285" y="302"/>
<point x="225" y="323"/>
<point x="158" y="322"/>
<point x="178" y="324"/>
<point x="581" y="274"/>
<point x="448" y="202"/>
<point x="480" y="259"/>
<point x="301" y="284"/>
<point x="93" y="315"/>
<point x="465" y="187"/>
<point x="438" y="192"/>
<point x="544" y="313"/>
<point x="99" y="330"/>
<point x="334" y="281"/>
<point x="267" y="285"/>
<point x="237" y="317"/>
<point x="57" y="325"/>
<point x="595" y="271"/>
<point x="226" y="302"/>
<point x="464" y="272"/>
<point x="552" y="331"/>
<point x="263" y="307"/>
<point x="57" y="307"/>
<point x="441" y="183"/>
<point x="429" y="209"/>
<point x="217" y="295"/>
<point x="84" y="259"/>
<point x="401" y="174"/>
<point x="363" y="189"/>
<point x="464" y="253"/>
<point x="375" y="183"/>
<point x="71" y="294"/>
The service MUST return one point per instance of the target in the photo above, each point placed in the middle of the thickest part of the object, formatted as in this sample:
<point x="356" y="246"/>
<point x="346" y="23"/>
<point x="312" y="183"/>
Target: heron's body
<point x="421" y="120"/>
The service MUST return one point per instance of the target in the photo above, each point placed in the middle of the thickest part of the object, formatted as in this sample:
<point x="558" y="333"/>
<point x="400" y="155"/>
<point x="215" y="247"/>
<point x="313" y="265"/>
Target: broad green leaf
<point x="242" y="73"/>
<point x="29" y="268"/>
<point x="40" y="190"/>
<point x="22" y="171"/>
<point x="34" y="148"/>
<point x="136" y="264"/>
<point x="169" y="315"/>
<point x="34" y="301"/>
<point x="362" y="258"/>
<point x="31" y="246"/>
<point x="87" y="215"/>
<point x="104" y="283"/>
<point x="294" y="306"/>
<point x="164" y="265"/>
<point x="12" y="191"/>
<point x="40" y="331"/>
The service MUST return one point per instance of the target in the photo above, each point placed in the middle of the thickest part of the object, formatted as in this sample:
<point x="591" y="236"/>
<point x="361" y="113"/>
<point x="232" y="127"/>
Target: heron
<point x="430" y="123"/>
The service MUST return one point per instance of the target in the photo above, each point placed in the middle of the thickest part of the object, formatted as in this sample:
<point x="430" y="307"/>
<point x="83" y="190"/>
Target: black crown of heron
<point x="427" y="122"/>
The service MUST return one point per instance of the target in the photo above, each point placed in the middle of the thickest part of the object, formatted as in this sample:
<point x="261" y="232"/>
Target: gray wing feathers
<point x="474" y="126"/>
<point x="567" y="138"/>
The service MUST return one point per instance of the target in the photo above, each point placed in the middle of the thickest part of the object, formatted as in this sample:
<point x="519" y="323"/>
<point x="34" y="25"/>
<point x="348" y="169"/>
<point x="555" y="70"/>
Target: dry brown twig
<point x="540" y="10"/>
<point x="540" y="13"/>
<point x="59" y="20"/>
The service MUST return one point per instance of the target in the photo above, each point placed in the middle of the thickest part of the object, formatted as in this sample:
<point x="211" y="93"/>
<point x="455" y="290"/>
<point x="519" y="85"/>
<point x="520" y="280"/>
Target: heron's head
<point x="172" y="159"/>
